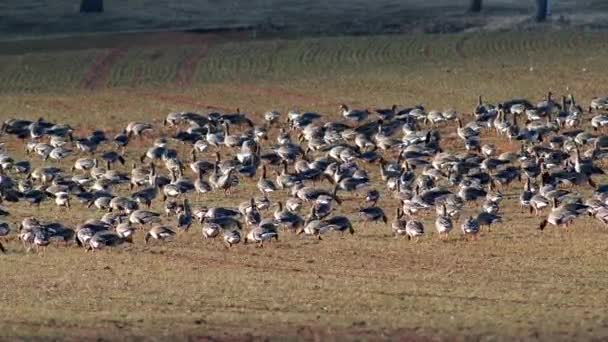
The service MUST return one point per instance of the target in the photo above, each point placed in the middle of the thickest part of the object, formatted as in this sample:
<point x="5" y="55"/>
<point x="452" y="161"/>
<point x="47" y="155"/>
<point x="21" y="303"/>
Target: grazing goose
<point x="144" y="217"/>
<point x="231" y="237"/>
<point x="372" y="214"/>
<point x="339" y="224"/>
<point x="286" y="218"/>
<point x="62" y="199"/>
<point x="470" y="227"/>
<point x="111" y="158"/>
<point x="138" y="128"/>
<point x="265" y="231"/>
<point x="211" y="229"/>
<point x="84" y="164"/>
<point x="4" y="231"/>
<point x="488" y="219"/>
<point x="159" y="232"/>
<point x="104" y="239"/>
<point x="598" y="103"/>
<point x="125" y="231"/>
<point x="272" y="117"/>
<point x="414" y="229"/>
<point x="313" y="226"/>
<point x="563" y="215"/>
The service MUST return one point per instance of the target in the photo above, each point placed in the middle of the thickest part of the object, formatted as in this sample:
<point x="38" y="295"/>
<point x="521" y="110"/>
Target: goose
<point x="599" y="121"/>
<point x="339" y="224"/>
<point x="231" y="237"/>
<point x="226" y="181"/>
<point x="372" y="214"/>
<point x="272" y="117"/>
<point x="121" y="140"/>
<point x="62" y="199"/>
<point x="488" y="219"/>
<point x="116" y="177"/>
<point x="357" y="115"/>
<point x="22" y="167"/>
<point x="199" y="167"/>
<point x="525" y="199"/>
<point x="112" y="157"/>
<point x="399" y="223"/>
<point x="43" y="150"/>
<point x="465" y="133"/>
<point x="289" y="152"/>
<point x="226" y="223"/>
<point x="123" y="204"/>
<point x="211" y="229"/>
<point x="586" y="168"/>
<point x="470" y="227"/>
<point x="102" y="202"/>
<point x="265" y="231"/>
<point x="372" y="197"/>
<point x="159" y="232"/>
<point x="138" y="128"/>
<point x="217" y="212"/>
<point x="84" y="164"/>
<point x="313" y="226"/>
<point x="173" y="119"/>
<point x="144" y="217"/>
<point x="493" y="195"/>
<point x="237" y="118"/>
<point x="230" y="140"/>
<point x="141" y="176"/>
<point x="286" y="218"/>
<point x="201" y="186"/>
<point x="262" y="202"/>
<point x="443" y="223"/>
<point x="184" y="219"/>
<point x="285" y="179"/>
<point x="598" y="103"/>
<point x="386" y="114"/>
<point x="4" y="231"/>
<point x="153" y="153"/>
<point x="414" y="229"/>
<point x="35" y="196"/>
<point x="125" y="231"/>
<point x="265" y="185"/>
<point x="252" y="215"/>
<point x="104" y="239"/>
<point x="562" y="215"/>
<point x="200" y="145"/>
<point x="173" y="208"/>
<point x="293" y="204"/>
<point x="214" y="138"/>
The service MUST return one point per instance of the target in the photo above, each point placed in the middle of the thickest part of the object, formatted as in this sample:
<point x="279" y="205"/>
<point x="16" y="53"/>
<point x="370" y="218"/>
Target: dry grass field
<point x="514" y="283"/>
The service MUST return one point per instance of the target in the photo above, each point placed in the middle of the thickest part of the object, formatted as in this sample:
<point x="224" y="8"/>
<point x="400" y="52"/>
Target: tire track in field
<point x="99" y="72"/>
<point x="182" y="100"/>
<point x="459" y="47"/>
<point x="187" y="67"/>
<point x="282" y="93"/>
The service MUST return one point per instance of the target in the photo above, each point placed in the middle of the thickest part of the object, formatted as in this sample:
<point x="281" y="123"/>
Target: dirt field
<point x="512" y="284"/>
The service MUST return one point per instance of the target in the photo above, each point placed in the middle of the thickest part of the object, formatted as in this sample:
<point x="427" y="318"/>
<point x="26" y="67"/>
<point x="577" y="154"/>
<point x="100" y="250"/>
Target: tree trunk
<point x="91" y="6"/>
<point x="475" y="6"/>
<point x="541" y="10"/>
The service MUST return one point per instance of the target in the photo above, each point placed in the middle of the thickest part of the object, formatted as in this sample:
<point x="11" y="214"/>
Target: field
<point x="514" y="283"/>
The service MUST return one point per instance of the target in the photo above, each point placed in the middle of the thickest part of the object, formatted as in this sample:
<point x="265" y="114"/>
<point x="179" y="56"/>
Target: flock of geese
<point x="309" y="165"/>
